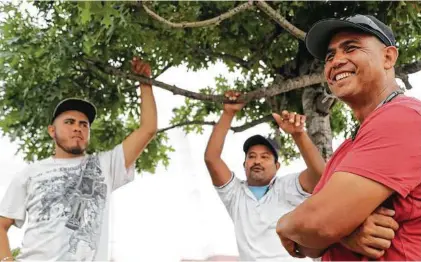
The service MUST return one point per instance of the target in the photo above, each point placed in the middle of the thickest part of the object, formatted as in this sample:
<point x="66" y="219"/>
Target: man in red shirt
<point x="380" y="165"/>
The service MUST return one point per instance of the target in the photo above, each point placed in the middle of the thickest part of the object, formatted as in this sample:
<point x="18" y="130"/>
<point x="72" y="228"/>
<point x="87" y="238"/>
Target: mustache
<point x="257" y="166"/>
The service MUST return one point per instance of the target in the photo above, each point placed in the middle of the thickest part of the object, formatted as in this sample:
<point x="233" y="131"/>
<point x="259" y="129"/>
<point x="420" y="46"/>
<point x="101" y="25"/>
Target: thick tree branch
<point x="208" y="22"/>
<point x="273" y="90"/>
<point x="407" y="69"/>
<point x="404" y="70"/>
<point x="284" y="86"/>
<point x="280" y="20"/>
<point x="235" y="129"/>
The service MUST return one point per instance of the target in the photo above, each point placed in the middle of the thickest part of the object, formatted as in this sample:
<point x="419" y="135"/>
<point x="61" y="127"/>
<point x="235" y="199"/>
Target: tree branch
<point x="235" y="129"/>
<point x="405" y="80"/>
<point x="407" y="69"/>
<point x="196" y="122"/>
<point x="298" y="33"/>
<point x="208" y="22"/>
<point x="404" y="70"/>
<point x="252" y="124"/>
<point x="168" y="66"/>
<point x="273" y="90"/>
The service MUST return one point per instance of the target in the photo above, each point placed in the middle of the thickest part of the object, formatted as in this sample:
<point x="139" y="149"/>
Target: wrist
<point x="7" y="259"/>
<point x="229" y="113"/>
<point x="142" y="85"/>
<point x="298" y="135"/>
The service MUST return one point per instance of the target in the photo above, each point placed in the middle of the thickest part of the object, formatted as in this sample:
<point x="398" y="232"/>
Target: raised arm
<point x="293" y="124"/>
<point x="218" y="170"/>
<point x="5" y="252"/>
<point x="136" y="142"/>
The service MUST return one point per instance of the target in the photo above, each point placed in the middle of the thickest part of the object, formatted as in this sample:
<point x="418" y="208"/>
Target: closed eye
<point x="350" y="48"/>
<point x="329" y="56"/>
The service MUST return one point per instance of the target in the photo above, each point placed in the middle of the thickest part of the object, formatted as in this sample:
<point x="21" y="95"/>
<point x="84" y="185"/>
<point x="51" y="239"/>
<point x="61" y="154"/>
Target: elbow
<point x="151" y="131"/>
<point x="209" y="159"/>
<point x="324" y="233"/>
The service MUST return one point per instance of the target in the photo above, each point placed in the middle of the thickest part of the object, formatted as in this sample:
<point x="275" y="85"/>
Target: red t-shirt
<point x="387" y="149"/>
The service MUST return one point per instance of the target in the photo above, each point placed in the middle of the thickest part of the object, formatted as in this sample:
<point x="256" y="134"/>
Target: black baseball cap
<point x="260" y="140"/>
<point x="319" y="35"/>
<point x="75" y="104"/>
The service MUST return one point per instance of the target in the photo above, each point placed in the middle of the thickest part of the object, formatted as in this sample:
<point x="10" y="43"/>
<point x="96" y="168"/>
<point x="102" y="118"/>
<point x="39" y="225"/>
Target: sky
<point x="175" y="213"/>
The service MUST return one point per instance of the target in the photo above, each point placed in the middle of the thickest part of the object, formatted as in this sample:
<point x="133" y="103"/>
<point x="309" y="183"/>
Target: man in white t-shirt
<point x="65" y="198"/>
<point x="256" y="204"/>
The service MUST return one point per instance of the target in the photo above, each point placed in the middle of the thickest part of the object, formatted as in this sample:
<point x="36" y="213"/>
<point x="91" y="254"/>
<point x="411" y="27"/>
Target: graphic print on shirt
<point x="79" y="194"/>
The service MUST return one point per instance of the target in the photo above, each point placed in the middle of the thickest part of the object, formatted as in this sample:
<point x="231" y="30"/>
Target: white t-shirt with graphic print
<point x="67" y="203"/>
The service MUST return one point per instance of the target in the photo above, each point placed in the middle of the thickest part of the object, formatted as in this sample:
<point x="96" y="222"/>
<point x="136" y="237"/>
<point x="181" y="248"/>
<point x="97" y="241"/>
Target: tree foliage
<point x="47" y="52"/>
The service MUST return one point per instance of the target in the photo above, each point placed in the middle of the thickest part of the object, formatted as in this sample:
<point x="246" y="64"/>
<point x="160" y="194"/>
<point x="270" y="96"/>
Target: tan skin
<point x="70" y="130"/>
<point x="71" y="133"/>
<point x="289" y="122"/>
<point x="372" y="80"/>
<point x="260" y="167"/>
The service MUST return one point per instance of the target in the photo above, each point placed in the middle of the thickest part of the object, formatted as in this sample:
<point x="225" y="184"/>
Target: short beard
<point x="73" y="150"/>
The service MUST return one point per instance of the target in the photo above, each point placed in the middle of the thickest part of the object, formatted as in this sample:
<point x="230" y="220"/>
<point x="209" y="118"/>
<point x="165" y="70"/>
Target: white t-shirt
<point x="67" y="203"/>
<point x="255" y="220"/>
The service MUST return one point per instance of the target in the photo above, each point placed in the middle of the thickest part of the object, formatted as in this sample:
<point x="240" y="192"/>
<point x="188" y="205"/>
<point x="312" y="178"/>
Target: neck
<point x="363" y="106"/>
<point x="62" y="154"/>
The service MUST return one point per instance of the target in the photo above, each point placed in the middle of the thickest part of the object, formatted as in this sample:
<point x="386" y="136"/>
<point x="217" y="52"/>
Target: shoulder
<point x="107" y="155"/>
<point x="404" y="104"/>
<point x="395" y="115"/>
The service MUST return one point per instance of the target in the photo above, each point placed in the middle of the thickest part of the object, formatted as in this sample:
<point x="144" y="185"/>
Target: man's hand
<point x="140" y="67"/>
<point x="234" y="107"/>
<point x="374" y="236"/>
<point x="290" y="122"/>
<point x="291" y="247"/>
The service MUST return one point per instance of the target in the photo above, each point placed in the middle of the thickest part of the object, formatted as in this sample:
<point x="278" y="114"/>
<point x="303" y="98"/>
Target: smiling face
<point x="260" y="165"/>
<point x="71" y="133"/>
<point x="355" y="65"/>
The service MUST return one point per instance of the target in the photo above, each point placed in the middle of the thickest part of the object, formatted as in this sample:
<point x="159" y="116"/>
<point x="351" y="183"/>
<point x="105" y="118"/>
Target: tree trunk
<point x="316" y="107"/>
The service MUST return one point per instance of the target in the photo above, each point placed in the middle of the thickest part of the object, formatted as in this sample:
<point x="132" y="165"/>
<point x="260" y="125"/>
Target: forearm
<point x="217" y="139"/>
<point x="148" y="118"/>
<point x="313" y="159"/>
<point x="4" y="245"/>
<point x="304" y="232"/>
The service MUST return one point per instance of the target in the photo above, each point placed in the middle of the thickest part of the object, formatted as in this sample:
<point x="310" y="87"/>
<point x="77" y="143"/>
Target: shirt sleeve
<point x="229" y="192"/>
<point x="114" y="161"/>
<point x="290" y="187"/>
<point x="13" y="205"/>
<point x="387" y="149"/>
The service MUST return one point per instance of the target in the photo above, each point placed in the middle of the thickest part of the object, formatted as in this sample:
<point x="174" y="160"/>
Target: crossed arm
<point x="330" y="217"/>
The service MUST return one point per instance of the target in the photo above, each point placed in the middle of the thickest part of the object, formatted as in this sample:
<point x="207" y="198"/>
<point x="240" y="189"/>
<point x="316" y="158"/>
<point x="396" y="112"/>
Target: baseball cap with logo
<point x="319" y="35"/>
<point x="80" y="105"/>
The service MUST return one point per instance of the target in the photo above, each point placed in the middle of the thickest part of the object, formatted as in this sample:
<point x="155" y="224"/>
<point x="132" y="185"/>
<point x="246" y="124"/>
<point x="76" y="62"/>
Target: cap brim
<point x="318" y="37"/>
<point x="80" y="105"/>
